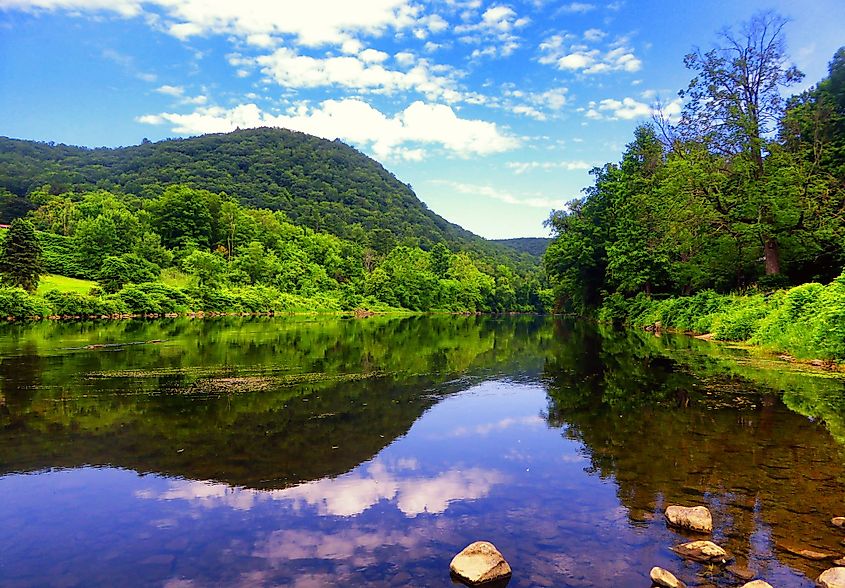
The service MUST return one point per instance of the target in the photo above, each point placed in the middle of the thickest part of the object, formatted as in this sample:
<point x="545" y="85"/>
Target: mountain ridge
<point x="325" y="185"/>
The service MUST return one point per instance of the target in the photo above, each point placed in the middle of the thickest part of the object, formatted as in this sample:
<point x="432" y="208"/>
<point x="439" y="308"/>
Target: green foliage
<point x="184" y="214"/>
<point x="807" y="321"/>
<point x="741" y="319"/>
<point x="16" y="302"/>
<point x="75" y="304"/>
<point x="60" y="256"/>
<point x="207" y="268"/>
<point x="153" y="298"/>
<point x="224" y="247"/>
<point x="20" y="262"/>
<point x="325" y="186"/>
<point x="116" y="271"/>
<point x="149" y="248"/>
<point x="716" y="206"/>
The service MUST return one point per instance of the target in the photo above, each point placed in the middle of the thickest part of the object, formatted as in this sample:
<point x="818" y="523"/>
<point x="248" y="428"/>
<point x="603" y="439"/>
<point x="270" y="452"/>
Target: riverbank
<point x="159" y="300"/>
<point x="804" y="323"/>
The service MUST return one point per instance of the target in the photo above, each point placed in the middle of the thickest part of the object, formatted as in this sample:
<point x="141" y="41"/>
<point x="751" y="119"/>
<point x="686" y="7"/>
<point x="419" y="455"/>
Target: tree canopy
<point x="747" y="188"/>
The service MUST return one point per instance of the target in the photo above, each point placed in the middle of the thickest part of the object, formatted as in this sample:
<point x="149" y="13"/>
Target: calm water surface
<point x="318" y="452"/>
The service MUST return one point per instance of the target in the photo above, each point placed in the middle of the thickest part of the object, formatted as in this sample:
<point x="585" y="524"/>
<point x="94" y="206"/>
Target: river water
<point x="321" y="451"/>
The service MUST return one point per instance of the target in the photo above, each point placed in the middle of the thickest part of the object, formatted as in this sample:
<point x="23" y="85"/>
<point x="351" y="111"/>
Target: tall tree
<point x="734" y="102"/>
<point x="20" y="264"/>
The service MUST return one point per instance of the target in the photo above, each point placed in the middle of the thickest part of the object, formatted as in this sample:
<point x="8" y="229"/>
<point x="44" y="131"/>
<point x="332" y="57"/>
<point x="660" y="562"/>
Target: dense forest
<point x="195" y="250"/>
<point x="323" y="185"/>
<point x="251" y="221"/>
<point x="744" y="194"/>
<point x="532" y="245"/>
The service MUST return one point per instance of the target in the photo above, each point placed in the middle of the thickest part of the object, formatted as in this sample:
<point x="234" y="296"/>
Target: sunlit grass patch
<point x="64" y="284"/>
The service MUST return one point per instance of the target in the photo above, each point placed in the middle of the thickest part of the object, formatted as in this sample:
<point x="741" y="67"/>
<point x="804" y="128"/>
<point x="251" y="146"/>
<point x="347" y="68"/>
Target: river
<point x="319" y="451"/>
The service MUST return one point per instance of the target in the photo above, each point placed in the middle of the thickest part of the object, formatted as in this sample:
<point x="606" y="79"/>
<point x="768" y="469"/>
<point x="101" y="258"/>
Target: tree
<point x="734" y="103"/>
<point x="20" y="264"/>
<point x="183" y="214"/>
<point x="117" y="271"/>
<point x="207" y="268"/>
<point x="256" y="263"/>
<point x="441" y="258"/>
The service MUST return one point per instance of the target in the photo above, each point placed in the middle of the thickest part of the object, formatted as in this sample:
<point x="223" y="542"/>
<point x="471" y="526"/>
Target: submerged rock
<point x="703" y="551"/>
<point x="695" y="518"/>
<point x="838" y="521"/>
<point x="806" y="553"/>
<point x="665" y="578"/>
<point x="757" y="584"/>
<point x="480" y="563"/>
<point x="741" y="572"/>
<point x="832" y="578"/>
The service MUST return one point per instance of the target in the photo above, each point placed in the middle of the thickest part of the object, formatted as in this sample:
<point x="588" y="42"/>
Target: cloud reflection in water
<point x="350" y="494"/>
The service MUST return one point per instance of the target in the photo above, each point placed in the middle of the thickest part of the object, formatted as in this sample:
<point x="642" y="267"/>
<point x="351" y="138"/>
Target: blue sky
<point x="493" y="111"/>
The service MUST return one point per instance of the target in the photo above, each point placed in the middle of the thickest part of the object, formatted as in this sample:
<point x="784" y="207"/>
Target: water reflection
<point x="272" y="452"/>
<point x="350" y="494"/>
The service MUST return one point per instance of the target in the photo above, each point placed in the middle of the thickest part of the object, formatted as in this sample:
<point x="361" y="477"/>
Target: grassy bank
<point x="807" y="321"/>
<point x="61" y="297"/>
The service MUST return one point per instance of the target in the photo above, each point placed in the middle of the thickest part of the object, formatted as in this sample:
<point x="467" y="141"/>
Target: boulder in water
<point x="665" y="578"/>
<point x="480" y="563"/>
<point x="696" y="518"/>
<point x="832" y="578"/>
<point x="703" y="551"/>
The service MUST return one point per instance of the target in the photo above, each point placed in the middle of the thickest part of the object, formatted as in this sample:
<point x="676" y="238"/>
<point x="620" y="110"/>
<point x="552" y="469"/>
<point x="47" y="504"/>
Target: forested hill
<point x="324" y="185"/>
<point x="531" y="245"/>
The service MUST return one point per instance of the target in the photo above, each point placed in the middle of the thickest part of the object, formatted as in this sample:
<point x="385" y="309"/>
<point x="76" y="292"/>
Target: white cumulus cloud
<point x="402" y="135"/>
<point x="313" y="23"/>
<point x="629" y="108"/>
<point x="568" y="54"/>
<point x="364" y="71"/>
<point x="533" y="200"/>
<point x="521" y="167"/>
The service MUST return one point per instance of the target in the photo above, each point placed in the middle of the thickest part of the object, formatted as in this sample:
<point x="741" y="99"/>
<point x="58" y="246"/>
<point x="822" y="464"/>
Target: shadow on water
<point x="309" y="451"/>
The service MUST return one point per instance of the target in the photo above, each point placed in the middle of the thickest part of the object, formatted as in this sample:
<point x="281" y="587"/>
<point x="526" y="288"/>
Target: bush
<point x="117" y="271"/>
<point x="59" y="256"/>
<point x="137" y="301"/>
<point x="741" y="319"/>
<point x="153" y="298"/>
<point x="74" y="304"/>
<point x="17" y="303"/>
<point x="829" y="335"/>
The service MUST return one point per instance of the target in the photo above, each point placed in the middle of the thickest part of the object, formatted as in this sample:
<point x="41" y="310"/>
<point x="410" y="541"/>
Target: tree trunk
<point x="772" y="256"/>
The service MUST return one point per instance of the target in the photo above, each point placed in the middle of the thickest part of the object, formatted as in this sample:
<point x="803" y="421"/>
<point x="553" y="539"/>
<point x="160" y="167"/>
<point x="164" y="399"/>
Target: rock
<point x="696" y="518"/>
<point x="832" y="578"/>
<point x="839" y="562"/>
<point x="806" y="553"/>
<point x="741" y="572"/>
<point x="665" y="578"/>
<point x="838" y="521"/>
<point x="703" y="551"/>
<point x="479" y="563"/>
<point x="757" y="584"/>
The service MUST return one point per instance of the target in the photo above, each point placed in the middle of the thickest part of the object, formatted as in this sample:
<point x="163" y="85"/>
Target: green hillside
<point x="531" y="245"/>
<point x="323" y="185"/>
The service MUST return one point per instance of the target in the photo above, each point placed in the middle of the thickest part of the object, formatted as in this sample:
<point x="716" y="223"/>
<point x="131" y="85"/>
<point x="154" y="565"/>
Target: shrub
<point x="739" y="321"/>
<point x="17" y="303"/>
<point x="60" y="256"/>
<point x="829" y="336"/>
<point x="117" y="271"/>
